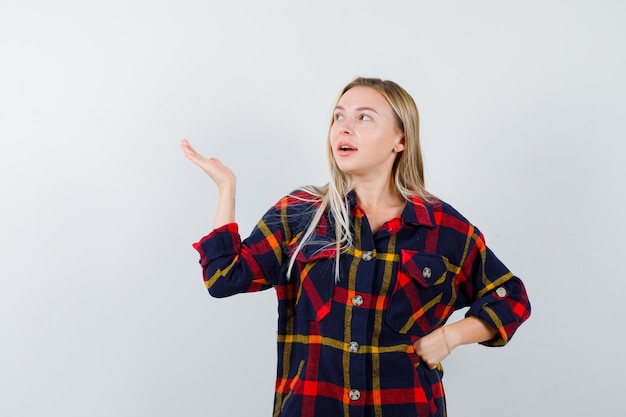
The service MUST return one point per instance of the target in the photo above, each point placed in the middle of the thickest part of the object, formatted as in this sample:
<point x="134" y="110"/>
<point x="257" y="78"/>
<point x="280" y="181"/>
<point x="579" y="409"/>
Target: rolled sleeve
<point x="500" y="298"/>
<point x="221" y="242"/>
<point x="505" y="309"/>
<point x="229" y="266"/>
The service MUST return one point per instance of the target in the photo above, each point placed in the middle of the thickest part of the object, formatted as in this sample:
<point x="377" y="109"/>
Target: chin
<point x="346" y="169"/>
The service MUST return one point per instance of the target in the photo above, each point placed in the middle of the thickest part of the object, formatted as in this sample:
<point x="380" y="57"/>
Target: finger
<point x="185" y="145"/>
<point x="192" y="154"/>
<point x="187" y="148"/>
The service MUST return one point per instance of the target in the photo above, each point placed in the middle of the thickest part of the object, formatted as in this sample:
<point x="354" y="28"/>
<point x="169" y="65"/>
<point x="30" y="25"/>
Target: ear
<point x="399" y="146"/>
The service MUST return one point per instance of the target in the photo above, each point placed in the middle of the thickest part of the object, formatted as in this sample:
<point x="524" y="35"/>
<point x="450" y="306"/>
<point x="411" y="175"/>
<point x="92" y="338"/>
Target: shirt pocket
<point x="289" y="406"/>
<point x="421" y="297"/>
<point x="314" y="271"/>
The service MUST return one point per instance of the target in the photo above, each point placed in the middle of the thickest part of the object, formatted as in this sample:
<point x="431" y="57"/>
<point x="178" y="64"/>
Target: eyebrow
<point x="357" y="109"/>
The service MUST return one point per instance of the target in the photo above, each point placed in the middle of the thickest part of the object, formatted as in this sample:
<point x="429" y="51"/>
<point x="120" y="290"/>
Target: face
<point x="364" y="136"/>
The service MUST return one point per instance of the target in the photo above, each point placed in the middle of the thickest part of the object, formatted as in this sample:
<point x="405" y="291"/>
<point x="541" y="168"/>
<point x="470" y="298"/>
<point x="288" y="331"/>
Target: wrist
<point x="227" y="187"/>
<point x="446" y="342"/>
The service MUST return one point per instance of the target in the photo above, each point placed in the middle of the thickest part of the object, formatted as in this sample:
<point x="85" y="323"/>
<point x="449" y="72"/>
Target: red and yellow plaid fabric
<point x="345" y="348"/>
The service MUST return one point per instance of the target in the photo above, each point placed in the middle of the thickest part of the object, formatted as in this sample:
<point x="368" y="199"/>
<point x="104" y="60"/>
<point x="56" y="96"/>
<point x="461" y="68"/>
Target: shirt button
<point x="367" y="255"/>
<point x="353" y="347"/>
<point x="357" y="300"/>
<point x="427" y="272"/>
<point x="501" y="292"/>
<point x="354" y="394"/>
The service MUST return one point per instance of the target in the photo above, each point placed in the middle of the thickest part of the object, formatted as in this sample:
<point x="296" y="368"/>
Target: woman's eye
<point x="338" y="116"/>
<point x="365" y="117"/>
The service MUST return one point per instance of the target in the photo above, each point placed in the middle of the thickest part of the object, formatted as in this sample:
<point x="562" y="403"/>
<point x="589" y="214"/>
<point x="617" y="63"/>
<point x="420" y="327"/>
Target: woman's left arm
<point x="497" y="299"/>
<point x="437" y="345"/>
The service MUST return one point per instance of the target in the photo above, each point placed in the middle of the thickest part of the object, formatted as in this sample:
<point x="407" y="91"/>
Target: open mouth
<point x="345" y="148"/>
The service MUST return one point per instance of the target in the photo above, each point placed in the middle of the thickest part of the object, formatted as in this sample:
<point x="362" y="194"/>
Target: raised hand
<point x="219" y="173"/>
<point x="223" y="177"/>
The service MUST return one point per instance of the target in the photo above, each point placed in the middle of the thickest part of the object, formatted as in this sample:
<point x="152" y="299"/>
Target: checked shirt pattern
<point x="345" y="347"/>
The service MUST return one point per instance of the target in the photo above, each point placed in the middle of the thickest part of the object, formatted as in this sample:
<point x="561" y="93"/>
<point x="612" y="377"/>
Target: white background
<point x="102" y="307"/>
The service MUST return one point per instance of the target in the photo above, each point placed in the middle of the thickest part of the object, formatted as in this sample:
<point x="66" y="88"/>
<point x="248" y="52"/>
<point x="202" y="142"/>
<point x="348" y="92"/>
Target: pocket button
<point x="427" y="272"/>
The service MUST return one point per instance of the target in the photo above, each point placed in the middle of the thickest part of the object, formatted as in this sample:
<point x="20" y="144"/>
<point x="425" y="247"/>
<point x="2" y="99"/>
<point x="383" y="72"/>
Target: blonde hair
<point x="407" y="170"/>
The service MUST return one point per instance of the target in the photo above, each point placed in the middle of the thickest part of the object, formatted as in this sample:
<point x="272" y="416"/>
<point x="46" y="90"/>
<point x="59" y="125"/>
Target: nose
<point x="345" y="128"/>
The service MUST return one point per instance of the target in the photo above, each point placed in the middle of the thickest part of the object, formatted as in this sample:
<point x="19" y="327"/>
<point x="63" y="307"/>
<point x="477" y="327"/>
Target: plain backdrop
<point x="102" y="307"/>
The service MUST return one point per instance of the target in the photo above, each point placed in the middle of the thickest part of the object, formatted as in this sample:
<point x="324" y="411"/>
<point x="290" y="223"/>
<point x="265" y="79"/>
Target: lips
<point x="345" y="147"/>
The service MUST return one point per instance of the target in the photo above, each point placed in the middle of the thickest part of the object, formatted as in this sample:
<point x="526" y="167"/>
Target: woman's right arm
<point x="224" y="179"/>
<point x="230" y="266"/>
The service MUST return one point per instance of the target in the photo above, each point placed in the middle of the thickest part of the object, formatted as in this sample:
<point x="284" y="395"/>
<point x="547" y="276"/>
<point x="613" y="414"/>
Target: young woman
<point x="367" y="270"/>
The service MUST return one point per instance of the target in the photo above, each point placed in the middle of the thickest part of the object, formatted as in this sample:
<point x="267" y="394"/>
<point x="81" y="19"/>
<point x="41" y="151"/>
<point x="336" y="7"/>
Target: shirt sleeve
<point x="231" y="266"/>
<point x="499" y="297"/>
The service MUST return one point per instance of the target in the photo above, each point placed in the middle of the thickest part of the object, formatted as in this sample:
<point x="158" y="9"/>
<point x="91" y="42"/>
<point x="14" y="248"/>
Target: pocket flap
<point x="315" y="263"/>
<point x="426" y="268"/>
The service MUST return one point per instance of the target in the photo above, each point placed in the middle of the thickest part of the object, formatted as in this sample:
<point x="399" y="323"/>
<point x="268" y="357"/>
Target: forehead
<point x="362" y="96"/>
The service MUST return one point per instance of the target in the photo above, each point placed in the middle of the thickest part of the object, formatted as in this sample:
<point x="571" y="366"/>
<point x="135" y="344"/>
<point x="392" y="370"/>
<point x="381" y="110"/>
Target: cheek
<point x="333" y="138"/>
<point x="331" y="146"/>
<point x="333" y="131"/>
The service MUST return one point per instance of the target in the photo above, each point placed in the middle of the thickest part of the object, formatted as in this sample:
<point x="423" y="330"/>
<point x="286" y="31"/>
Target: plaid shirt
<point x="345" y="348"/>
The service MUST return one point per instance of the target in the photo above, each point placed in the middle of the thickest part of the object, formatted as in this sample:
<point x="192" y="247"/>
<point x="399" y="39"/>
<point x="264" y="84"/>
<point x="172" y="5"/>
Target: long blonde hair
<point x="407" y="170"/>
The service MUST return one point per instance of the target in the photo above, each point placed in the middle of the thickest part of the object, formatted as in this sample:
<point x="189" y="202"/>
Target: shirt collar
<point x="351" y="199"/>
<point x="416" y="211"/>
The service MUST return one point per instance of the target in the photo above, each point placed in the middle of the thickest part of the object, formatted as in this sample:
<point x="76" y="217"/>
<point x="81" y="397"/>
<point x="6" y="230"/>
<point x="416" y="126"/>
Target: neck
<point x="377" y="193"/>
